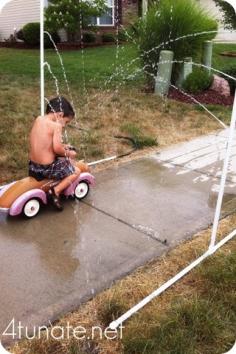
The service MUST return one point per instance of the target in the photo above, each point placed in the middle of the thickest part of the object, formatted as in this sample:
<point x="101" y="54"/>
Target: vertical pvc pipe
<point x="207" y="54"/>
<point x="42" y="88"/>
<point x="144" y="7"/>
<point x="224" y="175"/>
<point x="164" y="72"/>
<point x="186" y="69"/>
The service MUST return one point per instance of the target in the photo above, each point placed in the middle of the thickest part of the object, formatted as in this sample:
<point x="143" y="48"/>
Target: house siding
<point x="16" y="14"/>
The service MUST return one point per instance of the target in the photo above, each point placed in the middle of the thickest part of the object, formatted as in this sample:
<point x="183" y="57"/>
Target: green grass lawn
<point x="94" y="66"/>
<point x="99" y="64"/>
<point x="220" y="62"/>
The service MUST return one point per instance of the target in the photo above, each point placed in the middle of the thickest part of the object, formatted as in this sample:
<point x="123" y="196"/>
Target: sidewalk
<point x="50" y="264"/>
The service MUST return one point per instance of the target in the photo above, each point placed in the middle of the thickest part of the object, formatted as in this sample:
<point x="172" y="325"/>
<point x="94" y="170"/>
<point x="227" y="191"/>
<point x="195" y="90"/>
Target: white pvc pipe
<point x="115" y="324"/>
<point x="103" y="160"/>
<point x="224" y="176"/>
<point x="212" y="247"/>
<point x="42" y="88"/>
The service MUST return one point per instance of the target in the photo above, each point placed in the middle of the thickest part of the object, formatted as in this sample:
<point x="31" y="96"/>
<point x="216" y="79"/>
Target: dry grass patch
<point x="101" y="115"/>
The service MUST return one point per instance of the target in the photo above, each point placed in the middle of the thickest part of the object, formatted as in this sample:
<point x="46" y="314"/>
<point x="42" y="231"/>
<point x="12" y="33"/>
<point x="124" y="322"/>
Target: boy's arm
<point x="58" y="147"/>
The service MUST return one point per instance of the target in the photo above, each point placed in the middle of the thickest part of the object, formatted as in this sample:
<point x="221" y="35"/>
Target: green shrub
<point x="122" y="36"/>
<point x="199" y="80"/>
<point x="31" y="35"/>
<point x="232" y="72"/>
<point x="108" y="37"/>
<point x="166" y="21"/>
<point x="89" y="37"/>
<point x="47" y="41"/>
<point x="20" y="35"/>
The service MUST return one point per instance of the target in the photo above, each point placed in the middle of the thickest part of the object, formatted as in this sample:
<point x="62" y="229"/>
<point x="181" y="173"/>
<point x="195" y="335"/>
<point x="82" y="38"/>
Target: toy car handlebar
<point x="71" y="148"/>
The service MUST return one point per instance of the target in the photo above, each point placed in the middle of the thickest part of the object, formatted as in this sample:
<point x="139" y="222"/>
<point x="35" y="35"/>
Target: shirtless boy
<point x="49" y="157"/>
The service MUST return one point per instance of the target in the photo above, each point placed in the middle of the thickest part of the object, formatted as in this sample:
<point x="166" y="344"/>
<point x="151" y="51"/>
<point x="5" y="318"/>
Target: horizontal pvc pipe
<point x="103" y="160"/>
<point x="161" y="289"/>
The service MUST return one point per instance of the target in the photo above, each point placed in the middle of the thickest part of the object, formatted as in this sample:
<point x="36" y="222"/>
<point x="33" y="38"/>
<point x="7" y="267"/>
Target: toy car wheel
<point x="81" y="191"/>
<point x="31" y="208"/>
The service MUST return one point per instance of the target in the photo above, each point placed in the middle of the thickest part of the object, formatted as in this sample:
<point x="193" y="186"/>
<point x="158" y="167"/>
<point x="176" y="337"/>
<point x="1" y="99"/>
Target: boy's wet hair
<point x="60" y="104"/>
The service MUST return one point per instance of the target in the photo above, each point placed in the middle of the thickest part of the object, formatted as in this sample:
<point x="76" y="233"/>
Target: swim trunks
<point x="58" y="169"/>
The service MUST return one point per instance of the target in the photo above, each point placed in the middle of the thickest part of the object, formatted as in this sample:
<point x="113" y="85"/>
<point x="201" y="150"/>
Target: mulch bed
<point x="16" y="45"/>
<point x="228" y="54"/>
<point x="206" y="97"/>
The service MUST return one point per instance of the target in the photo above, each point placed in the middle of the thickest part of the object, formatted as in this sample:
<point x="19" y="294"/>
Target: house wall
<point x="129" y="12"/>
<point x="16" y="14"/>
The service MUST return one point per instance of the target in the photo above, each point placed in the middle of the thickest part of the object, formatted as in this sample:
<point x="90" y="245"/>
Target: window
<point x="108" y="18"/>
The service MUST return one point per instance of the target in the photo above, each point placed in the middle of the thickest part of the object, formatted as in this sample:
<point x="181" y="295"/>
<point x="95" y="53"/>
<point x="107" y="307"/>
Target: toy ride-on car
<point x="27" y="195"/>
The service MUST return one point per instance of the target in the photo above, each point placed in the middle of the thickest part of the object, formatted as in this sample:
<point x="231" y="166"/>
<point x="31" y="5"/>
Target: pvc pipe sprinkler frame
<point x="213" y="247"/>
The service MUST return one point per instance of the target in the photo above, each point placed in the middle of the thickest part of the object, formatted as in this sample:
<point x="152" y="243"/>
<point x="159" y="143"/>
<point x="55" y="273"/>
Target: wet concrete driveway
<point x="50" y="264"/>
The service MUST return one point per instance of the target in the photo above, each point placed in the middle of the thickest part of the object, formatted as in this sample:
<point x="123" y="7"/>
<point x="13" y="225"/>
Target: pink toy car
<point x="26" y="196"/>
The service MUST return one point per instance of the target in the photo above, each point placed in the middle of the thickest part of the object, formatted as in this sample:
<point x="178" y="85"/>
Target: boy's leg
<point x="82" y="166"/>
<point x="66" y="182"/>
<point x="63" y="167"/>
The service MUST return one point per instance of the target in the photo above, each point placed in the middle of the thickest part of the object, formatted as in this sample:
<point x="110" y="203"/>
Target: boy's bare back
<point x="43" y="135"/>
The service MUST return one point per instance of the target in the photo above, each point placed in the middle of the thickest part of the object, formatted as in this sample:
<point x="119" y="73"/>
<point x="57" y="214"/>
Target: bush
<point x="31" y="35"/>
<point x="232" y="72"/>
<point x="20" y="35"/>
<point x="199" y="80"/>
<point x="108" y="37"/>
<point x="47" y="41"/>
<point x="167" y="20"/>
<point x="89" y="37"/>
<point x="122" y="36"/>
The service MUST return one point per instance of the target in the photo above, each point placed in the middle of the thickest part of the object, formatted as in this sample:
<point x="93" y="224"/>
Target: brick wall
<point x="130" y="11"/>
